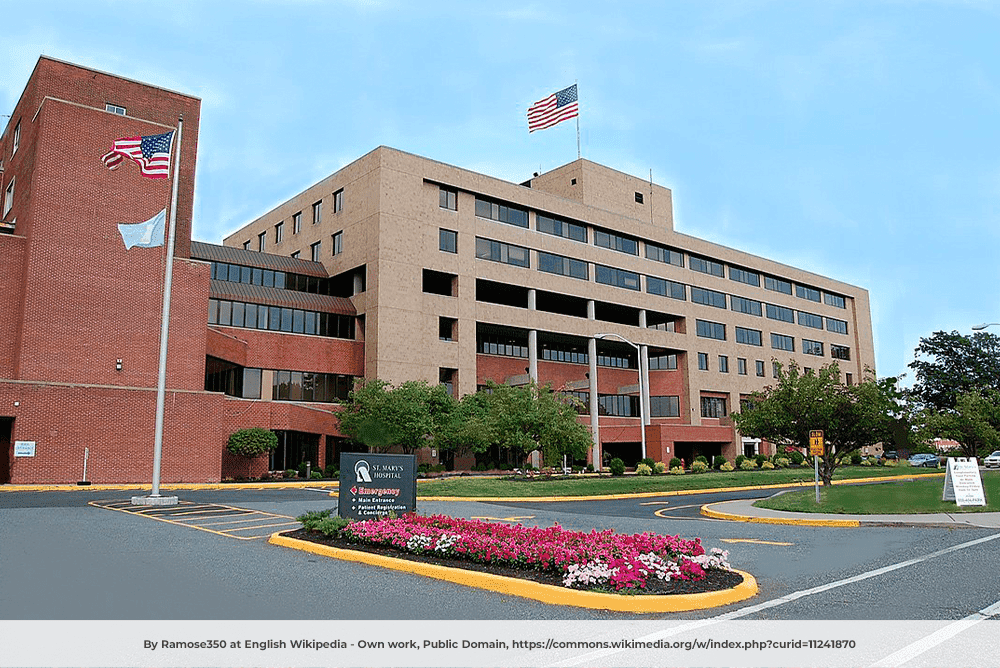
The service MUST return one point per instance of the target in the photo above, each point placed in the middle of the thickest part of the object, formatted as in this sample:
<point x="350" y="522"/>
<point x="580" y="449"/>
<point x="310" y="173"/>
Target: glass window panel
<point x="274" y="318"/>
<point x="238" y="309"/>
<point x="310" y="322"/>
<point x="213" y="311"/>
<point x="245" y="273"/>
<point x="298" y="321"/>
<point x="279" y="279"/>
<point x="251" y="383"/>
<point x="286" y="319"/>
<point x="257" y="276"/>
<point x="225" y="312"/>
<point x="234" y="273"/>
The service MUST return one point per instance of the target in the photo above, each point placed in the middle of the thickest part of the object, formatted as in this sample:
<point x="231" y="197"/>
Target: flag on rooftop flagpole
<point x="144" y="235"/>
<point x="151" y="153"/>
<point x="553" y="109"/>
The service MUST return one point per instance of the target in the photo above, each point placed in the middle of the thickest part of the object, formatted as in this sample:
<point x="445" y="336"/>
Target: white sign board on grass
<point x="962" y="483"/>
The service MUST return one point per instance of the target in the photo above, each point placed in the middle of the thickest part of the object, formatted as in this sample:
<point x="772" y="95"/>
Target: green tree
<point x="407" y="416"/>
<point x="851" y="417"/>
<point x="948" y="365"/>
<point x="252" y="442"/>
<point x="974" y="422"/>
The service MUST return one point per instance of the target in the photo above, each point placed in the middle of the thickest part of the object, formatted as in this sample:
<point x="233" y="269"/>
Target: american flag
<point x="151" y="153"/>
<point x="554" y="109"/>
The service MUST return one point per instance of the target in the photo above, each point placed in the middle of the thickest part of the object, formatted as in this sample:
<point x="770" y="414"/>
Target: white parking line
<point x="933" y="640"/>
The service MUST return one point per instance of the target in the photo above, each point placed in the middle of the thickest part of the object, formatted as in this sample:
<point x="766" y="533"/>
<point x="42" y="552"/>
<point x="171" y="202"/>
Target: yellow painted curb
<point x="534" y="590"/>
<point x="178" y="485"/>
<point x="707" y="511"/>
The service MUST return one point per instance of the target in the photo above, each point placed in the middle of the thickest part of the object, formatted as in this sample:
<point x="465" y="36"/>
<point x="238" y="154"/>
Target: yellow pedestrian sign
<point x="816" y="442"/>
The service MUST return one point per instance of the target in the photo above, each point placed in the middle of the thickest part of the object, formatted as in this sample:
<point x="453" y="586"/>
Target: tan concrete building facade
<point x="460" y="278"/>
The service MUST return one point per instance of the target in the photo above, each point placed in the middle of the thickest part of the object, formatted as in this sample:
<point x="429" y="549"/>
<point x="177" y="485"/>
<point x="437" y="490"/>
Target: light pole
<point x="642" y="411"/>
<point x="979" y="328"/>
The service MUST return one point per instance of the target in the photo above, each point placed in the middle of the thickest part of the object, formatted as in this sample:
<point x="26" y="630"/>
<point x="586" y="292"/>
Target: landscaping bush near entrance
<point x="601" y="560"/>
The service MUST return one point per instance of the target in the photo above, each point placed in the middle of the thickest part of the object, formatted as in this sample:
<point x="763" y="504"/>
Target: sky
<point x="855" y="139"/>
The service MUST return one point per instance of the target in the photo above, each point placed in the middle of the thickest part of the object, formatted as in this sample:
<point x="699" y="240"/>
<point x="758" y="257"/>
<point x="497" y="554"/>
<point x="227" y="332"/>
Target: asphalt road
<point x="64" y="558"/>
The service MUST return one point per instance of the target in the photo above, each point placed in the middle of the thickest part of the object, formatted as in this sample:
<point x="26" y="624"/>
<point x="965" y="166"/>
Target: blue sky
<point x="856" y="139"/>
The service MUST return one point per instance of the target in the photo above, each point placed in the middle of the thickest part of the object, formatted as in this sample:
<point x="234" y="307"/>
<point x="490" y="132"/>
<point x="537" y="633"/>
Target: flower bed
<point x="600" y="560"/>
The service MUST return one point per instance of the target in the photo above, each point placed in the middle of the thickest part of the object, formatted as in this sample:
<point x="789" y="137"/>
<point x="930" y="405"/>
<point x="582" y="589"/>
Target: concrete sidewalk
<point x="743" y="510"/>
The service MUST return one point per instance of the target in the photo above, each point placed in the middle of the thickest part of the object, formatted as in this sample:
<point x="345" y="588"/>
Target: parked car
<point x="890" y="454"/>
<point x="992" y="460"/>
<point x="925" y="459"/>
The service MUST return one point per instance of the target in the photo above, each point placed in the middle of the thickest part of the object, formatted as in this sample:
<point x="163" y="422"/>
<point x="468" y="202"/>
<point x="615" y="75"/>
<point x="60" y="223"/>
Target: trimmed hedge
<point x="252" y="442"/>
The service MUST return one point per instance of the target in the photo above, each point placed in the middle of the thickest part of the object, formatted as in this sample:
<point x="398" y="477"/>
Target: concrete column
<point x="532" y="339"/>
<point x="594" y="418"/>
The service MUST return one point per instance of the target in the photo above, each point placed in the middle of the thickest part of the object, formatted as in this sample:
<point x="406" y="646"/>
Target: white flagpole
<point x="154" y="497"/>
<point x="578" y="154"/>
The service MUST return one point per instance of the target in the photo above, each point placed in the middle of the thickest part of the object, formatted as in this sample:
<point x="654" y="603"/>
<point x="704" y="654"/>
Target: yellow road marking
<point x="751" y="540"/>
<point x="192" y="513"/>
<point x="661" y="510"/>
<point x="505" y="519"/>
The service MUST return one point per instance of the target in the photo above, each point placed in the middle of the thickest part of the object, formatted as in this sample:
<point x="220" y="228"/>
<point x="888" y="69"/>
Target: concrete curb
<point x="172" y="486"/>
<point x="707" y="511"/>
<point x="533" y="590"/>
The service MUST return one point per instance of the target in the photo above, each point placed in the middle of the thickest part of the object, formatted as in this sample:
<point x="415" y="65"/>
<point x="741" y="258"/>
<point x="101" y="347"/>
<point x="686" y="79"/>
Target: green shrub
<point x="331" y="471"/>
<point x="856" y="458"/>
<point x="866" y="462"/>
<point x="767" y="465"/>
<point x="252" y="442"/>
<point x="617" y="466"/>
<point x="650" y="462"/>
<point x="891" y="463"/>
<point x="316" y="475"/>
<point x="590" y="468"/>
<point x="674" y="462"/>
<point x="291" y="473"/>
<point x="739" y="461"/>
<point x="719" y="461"/>
<point x="313" y="517"/>
<point x="760" y="459"/>
<point x="727" y="467"/>
<point x="677" y="470"/>
<point x="880" y="462"/>
<point x="643" y="469"/>
<point x="748" y="464"/>
<point x="659" y="467"/>
<point x="782" y="463"/>
<point x="797" y="457"/>
<point x="699" y="466"/>
<point x="701" y="458"/>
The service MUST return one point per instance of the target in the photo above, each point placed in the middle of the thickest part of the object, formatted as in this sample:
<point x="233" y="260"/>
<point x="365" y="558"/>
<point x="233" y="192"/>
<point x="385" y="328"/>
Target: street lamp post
<point x="642" y="411"/>
<point x="979" y="328"/>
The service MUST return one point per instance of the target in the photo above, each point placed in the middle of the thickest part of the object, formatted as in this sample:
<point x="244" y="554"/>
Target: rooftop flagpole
<point x="154" y="498"/>
<point x="578" y="154"/>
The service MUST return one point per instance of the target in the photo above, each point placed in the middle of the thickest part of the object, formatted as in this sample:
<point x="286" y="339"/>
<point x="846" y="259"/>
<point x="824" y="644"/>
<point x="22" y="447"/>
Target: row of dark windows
<point x="234" y="273"/>
<point x="495" y="344"/>
<point x="237" y="381"/>
<point x="279" y="319"/>
<point x="626" y="405"/>
<point x="630" y="245"/>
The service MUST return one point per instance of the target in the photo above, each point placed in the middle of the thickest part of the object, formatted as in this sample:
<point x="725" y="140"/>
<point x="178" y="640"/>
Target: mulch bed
<point x="715" y="580"/>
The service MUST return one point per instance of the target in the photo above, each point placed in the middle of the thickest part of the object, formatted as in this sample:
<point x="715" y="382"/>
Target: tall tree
<point x="850" y="417"/>
<point x="407" y="416"/>
<point x="974" y="422"/>
<point x="950" y="364"/>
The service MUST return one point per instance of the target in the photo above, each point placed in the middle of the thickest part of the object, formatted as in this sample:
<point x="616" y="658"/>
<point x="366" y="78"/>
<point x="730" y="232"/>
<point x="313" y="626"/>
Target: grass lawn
<point x="916" y="496"/>
<point x="471" y="486"/>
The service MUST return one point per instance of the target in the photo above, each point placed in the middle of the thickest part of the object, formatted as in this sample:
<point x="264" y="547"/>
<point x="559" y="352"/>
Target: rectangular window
<point x="560" y="228"/>
<point x="317" y="212"/>
<point x="261" y="241"/>
<point x="782" y="342"/>
<point x="8" y="198"/>
<point x="812" y="347"/>
<point x="741" y="366"/>
<point x="246" y="245"/>
<point x="17" y="138"/>
<point x="751" y="337"/>
<point x="114" y="109"/>
<point x="743" y="305"/>
<point x="744" y="276"/>
<point x="660" y="286"/>
<point x="508" y="346"/>
<point x="710" y="330"/>
<point x="664" y="254"/>
<point x="446" y="328"/>
<point x="840" y="352"/>
<point x="501" y="213"/>
<point x="713" y="407"/>
<point x="447" y="378"/>
<point x="617" y="277"/>
<point x="296" y="254"/>
<point x="805" y="292"/>
<point x="296" y="222"/>
<point x="663" y="362"/>
<point x="759" y="364"/>
<point x="557" y="264"/>
<point x="638" y="198"/>
<point x="664" y="407"/>
<point x="706" y="266"/>
<point x="810" y="320"/>
<point x="703" y="361"/>
<point x="616" y="242"/>
<point x="338" y="242"/>
<point x="780" y="313"/>
<point x="338" y="201"/>
<point x="314" y="250"/>
<point x="448" y="240"/>
<point x="775" y="369"/>
<point x="850" y="379"/>
<point x="278" y="232"/>
<point x="723" y="364"/>
<point x="708" y="297"/>
<point x="497" y="251"/>
<point x="448" y="199"/>
<point x="777" y="285"/>
<point x="838" y="326"/>
<point x="439" y="283"/>
<point x="834" y="300"/>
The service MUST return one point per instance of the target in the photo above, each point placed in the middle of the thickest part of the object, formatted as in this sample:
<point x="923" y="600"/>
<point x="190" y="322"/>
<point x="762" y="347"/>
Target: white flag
<point x="145" y="235"/>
